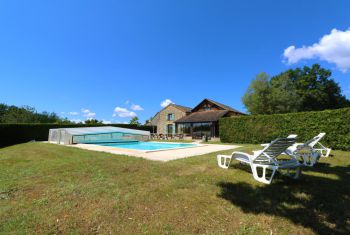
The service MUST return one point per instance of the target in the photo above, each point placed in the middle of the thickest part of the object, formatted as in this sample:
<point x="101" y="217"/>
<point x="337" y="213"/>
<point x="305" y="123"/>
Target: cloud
<point x="123" y="112"/>
<point x="106" y="122"/>
<point x="333" y="48"/>
<point x="73" y="113"/>
<point x="136" y="107"/>
<point x="166" y="102"/>
<point x="87" y="113"/>
<point x="75" y="120"/>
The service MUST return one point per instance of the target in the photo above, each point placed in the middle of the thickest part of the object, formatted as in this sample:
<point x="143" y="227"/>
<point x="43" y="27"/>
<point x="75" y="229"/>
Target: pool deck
<point x="162" y="155"/>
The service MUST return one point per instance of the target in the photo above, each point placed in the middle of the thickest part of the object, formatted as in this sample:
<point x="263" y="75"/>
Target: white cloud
<point x="166" y="102"/>
<point x="73" y="113"/>
<point x="136" y="107"/>
<point x="123" y="112"/>
<point x="75" y="120"/>
<point x="87" y="113"/>
<point x="333" y="48"/>
<point x="106" y="122"/>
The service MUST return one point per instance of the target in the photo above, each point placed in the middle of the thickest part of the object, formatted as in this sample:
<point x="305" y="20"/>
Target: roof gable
<point x="180" y="107"/>
<point x="220" y="106"/>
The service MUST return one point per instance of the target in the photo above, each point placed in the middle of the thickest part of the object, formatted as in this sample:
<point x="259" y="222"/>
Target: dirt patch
<point x="8" y="194"/>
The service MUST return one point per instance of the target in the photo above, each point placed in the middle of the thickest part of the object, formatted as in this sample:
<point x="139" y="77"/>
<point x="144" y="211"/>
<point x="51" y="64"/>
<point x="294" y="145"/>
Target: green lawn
<point x="51" y="189"/>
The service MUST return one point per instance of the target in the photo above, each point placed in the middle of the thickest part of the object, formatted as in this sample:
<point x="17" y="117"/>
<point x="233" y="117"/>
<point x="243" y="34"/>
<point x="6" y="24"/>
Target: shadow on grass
<point x="319" y="203"/>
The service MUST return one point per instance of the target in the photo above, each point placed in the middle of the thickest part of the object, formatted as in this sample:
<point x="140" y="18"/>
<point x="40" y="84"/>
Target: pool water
<point x="148" y="145"/>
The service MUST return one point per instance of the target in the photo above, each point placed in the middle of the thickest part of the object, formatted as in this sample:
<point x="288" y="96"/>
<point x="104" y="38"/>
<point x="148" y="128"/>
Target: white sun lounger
<point x="310" y="151"/>
<point x="265" y="159"/>
<point x="317" y="146"/>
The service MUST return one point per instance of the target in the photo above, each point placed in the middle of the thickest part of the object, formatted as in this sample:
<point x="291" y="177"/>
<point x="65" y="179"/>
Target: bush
<point x="11" y="134"/>
<point x="264" y="128"/>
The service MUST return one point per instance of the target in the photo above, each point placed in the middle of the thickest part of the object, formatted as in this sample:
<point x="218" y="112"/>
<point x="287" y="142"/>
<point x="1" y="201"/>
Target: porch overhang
<point x="205" y="116"/>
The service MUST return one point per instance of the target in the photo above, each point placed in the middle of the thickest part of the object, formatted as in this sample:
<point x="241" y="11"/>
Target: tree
<point x="301" y="89"/>
<point x="257" y="97"/>
<point x="92" y="121"/>
<point x="148" y="122"/>
<point x="316" y="88"/>
<point x="25" y="114"/>
<point x="283" y="96"/>
<point x="135" y="121"/>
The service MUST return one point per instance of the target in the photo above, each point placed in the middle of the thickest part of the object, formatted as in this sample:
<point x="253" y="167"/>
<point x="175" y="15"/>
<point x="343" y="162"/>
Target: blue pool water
<point x="147" y="145"/>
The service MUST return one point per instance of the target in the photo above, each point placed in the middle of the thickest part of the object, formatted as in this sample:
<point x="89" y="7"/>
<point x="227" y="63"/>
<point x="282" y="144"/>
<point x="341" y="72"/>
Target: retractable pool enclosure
<point x="105" y="134"/>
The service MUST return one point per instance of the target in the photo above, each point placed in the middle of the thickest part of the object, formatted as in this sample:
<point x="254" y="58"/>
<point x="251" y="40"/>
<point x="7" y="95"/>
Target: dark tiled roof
<point x="183" y="108"/>
<point x="205" y="116"/>
<point x="226" y="107"/>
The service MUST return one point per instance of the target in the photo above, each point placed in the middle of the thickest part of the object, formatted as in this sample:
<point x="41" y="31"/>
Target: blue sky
<point x="114" y="59"/>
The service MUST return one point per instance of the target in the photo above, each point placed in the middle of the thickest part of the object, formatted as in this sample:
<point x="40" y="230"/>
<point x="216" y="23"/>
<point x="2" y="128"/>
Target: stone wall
<point x="161" y="119"/>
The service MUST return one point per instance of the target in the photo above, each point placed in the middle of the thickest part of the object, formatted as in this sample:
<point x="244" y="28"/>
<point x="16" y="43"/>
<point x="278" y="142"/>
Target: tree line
<point x="27" y="114"/>
<point x="295" y="90"/>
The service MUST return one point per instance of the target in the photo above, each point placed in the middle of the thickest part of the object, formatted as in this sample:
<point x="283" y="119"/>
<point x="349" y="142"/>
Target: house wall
<point x="160" y="120"/>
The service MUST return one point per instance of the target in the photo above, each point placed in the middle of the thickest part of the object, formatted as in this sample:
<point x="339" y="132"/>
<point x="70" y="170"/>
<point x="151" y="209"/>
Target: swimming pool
<point x="148" y="146"/>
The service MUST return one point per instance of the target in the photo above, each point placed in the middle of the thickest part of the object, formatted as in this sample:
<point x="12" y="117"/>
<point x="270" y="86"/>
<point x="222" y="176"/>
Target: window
<point x="184" y="128"/>
<point x="207" y="107"/>
<point x="201" y="129"/>
<point x="170" y="117"/>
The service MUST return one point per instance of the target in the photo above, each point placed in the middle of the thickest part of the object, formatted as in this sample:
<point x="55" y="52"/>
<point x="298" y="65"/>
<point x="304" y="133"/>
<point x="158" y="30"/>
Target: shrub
<point x="264" y="128"/>
<point x="11" y="134"/>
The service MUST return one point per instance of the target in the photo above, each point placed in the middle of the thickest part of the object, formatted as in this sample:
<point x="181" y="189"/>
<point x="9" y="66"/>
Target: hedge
<point x="264" y="128"/>
<point x="11" y="134"/>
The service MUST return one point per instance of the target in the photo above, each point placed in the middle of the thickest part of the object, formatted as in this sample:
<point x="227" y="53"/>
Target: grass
<point x="51" y="189"/>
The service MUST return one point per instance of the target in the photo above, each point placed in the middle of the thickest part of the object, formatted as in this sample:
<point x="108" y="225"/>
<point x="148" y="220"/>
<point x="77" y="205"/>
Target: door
<point x="170" y="129"/>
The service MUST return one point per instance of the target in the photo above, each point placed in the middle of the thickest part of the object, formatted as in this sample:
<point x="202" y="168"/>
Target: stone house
<point x="165" y="119"/>
<point x="202" y="120"/>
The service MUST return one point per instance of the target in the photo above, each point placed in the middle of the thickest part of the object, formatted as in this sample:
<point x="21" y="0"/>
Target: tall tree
<point x="318" y="91"/>
<point x="283" y="96"/>
<point x="301" y="89"/>
<point x="135" y="121"/>
<point x="257" y="97"/>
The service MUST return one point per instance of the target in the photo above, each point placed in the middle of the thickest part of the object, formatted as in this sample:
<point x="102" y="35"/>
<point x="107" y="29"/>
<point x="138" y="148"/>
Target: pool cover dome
<point x="104" y="134"/>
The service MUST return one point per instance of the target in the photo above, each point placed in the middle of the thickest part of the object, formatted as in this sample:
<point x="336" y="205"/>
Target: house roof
<point x="224" y="107"/>
<point x="183" y="108"/>
<point x="180" y="107"/>
<point x="205" y="116"/>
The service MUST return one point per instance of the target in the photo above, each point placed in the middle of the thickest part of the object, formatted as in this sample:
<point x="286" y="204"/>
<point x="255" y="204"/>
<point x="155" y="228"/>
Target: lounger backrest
<point x="315" y="140"/>
<point x="275" y="148"/>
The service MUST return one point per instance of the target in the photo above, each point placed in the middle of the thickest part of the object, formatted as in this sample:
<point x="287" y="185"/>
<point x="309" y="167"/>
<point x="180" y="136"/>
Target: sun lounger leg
<point x="296" y="175"/>
<point x="263" y="178"/>
<point x="324" y="152"/>
<point x="310" y="159"/>
<point x="224" y="161"/>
